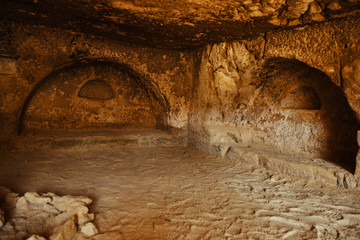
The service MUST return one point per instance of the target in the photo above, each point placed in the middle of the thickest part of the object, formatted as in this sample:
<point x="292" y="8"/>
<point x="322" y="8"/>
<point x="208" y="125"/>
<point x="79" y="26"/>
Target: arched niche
<point x="93" y="95"/>
<point x="300" y="110"/>
<point x="97" y="89"/>
<point x="303" y="98"/>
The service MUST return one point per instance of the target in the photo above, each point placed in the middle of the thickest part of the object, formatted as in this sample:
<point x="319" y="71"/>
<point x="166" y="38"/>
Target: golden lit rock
<point x="201" y="119"/>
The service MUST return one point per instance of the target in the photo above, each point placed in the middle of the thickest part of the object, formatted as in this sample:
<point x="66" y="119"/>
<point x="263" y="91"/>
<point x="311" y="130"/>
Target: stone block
<point x="65" y="231"/>
<point x="89" y="229"/>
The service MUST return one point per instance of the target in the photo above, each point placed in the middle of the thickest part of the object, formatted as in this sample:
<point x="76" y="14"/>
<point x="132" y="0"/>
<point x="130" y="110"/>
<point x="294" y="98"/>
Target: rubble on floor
<point x="36" y="216"/>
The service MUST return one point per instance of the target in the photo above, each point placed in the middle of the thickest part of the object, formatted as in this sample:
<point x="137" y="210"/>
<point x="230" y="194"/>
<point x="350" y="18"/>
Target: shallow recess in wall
<point x="302" y="97"/>
<point x="92" y="99"/>
<point x="304" y="112"/>
<point x="96" y="89"/>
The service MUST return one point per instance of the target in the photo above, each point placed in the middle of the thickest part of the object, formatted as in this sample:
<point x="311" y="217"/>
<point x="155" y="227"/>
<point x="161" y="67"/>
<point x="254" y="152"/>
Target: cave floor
<point x="181" y="193"/>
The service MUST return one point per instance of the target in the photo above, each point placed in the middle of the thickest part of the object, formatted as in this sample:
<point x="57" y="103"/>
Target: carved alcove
<point x="300" y="110"/>
<point x="96" y="89"/>
<point x="302" y="97"/>
<point x="95" y="95"/>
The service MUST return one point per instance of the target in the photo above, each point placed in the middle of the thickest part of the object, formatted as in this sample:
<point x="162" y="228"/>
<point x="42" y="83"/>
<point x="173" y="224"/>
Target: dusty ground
<point x="180" y="193"/>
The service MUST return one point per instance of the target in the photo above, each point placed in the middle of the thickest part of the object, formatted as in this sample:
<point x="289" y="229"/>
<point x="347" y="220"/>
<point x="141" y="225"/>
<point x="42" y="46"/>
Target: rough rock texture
<point x="292" y="90"/>
<point x="283" y="91"/>
<point x="7" y="65"/>
<point x="48" y="215"/>
<point x="35" y="237"/>
<point x="176" y="24"/>
<point x="299" y="166"/>
<point x="47" y="58"/>
<point x="180" y="193"/>
<point x="89" y="229"/>
<point x="271" y="83"/>
<point x="2" y="218"/>
<point x="77" y="100"/>
<point x="109" y="138"/>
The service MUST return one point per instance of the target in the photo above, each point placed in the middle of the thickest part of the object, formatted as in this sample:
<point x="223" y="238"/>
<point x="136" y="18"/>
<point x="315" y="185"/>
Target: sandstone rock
<point x="35" y="198"/>
<point x="340" y="178"/>
<point x="334" y="6"/>
<point x="349" y="181"/>
<point x="47" y="215"/>
<point x="2" y="218"/>
<point x="317" y="17"/>
<point x="315" y="8"/>
<point x="221" y="19"/>
<point x="89" y="229"/>
<point x="7" y="65"/>
<point x="351" y="75"/>
<point x="65" y="231"/>
<point x="115" y="235"/>
<point x="8" y="197"/>
<point x="73" y="205"/>
<point x="36" y="237"/>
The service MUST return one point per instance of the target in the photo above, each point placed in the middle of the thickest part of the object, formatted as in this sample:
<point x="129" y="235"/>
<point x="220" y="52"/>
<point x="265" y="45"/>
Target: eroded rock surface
<point x="45" y="215"/>
<point x="285" y="92"/>
<point x="180" y="193"/>
<point x="177" y="24"/>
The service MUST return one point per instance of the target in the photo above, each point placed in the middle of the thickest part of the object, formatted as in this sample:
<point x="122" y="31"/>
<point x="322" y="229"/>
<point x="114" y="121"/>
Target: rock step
<point x="299" y="166"/>
<point x="84" y="139"/>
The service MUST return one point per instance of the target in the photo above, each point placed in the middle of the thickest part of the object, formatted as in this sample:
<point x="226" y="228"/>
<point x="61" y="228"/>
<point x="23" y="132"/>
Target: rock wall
<point x="49" y="79"/>
<point x="285" y="91"/>
<point x="291" y="90"/>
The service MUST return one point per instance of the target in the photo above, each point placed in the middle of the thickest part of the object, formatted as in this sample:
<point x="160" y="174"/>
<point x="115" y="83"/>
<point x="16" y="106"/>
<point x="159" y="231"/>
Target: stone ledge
<point x="298" y="166"/>
<point x="84" y="139"/>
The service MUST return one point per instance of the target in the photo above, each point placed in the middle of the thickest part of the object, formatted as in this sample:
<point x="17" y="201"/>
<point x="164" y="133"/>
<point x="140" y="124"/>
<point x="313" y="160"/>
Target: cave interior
<point x="273" y="84"/>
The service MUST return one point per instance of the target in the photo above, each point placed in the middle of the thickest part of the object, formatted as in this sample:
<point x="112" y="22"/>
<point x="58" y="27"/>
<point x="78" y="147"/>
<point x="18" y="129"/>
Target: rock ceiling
<point x="175" y="23"/>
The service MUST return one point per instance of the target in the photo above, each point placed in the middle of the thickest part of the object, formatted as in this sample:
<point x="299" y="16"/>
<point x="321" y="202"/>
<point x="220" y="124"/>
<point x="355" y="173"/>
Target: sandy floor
<point x="180" y="193"/>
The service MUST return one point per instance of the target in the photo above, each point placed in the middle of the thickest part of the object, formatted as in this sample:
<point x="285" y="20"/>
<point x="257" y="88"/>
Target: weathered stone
<point x="339" y="178"/>
<point x="334" y="5"/>
<point x="8" y="65"/>
<point x="47" y="215"/>
<point x="315" y="8"/>
<point x="73" y="206"/>
<point x="351" y="75"/>
<point x="157" y="93"/>
<point x="184" y="192"/>
<point x="281" y="104"/>
<point x="289" y="164"/>
<point x="89" y="229"/>
<point x="71" y="108"/>
<point x="109" y="236"/>
<point x="349" y="181"/>
<point x="302" y="97"/>
<point x="2" y="218"/>
<point x="36" y="237"/>
<point x="35" y="198"/>
<point x="177" y="24"/>
<point x="357" y="170"/>
<point x="96" y="89"/>
<point x="271" y="83"/>
<point x="65" y="231"/>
